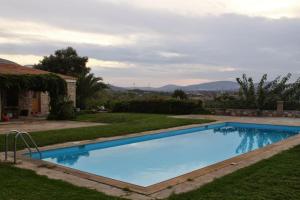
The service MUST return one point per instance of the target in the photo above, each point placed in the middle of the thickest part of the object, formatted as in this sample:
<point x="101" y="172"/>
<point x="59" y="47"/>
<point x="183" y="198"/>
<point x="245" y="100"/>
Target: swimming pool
<point x="151" y="159"/>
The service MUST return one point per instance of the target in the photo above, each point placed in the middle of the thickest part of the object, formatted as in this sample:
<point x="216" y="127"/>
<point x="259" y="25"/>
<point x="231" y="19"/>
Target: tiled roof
<point x="8" y="67"/>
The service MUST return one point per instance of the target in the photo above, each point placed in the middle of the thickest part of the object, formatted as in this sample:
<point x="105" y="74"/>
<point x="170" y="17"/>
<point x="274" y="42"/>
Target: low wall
<point x="254" y="113"/>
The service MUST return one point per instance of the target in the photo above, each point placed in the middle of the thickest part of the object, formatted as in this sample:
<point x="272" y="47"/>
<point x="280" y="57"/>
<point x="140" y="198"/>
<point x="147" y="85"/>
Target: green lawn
<point x="277" y="178"/>
<point x="20" y="184"/>
<point x="119" y="124"/>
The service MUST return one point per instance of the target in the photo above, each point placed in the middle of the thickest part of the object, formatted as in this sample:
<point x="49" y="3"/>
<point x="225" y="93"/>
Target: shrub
<point x="159" y="106"/>
<point x="65" y="110"/>
<point x="291" y="105"/>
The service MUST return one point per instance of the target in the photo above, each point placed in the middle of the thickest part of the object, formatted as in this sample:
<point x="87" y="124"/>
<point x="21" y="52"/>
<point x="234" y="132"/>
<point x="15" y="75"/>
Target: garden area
<point x="129" y="111"/>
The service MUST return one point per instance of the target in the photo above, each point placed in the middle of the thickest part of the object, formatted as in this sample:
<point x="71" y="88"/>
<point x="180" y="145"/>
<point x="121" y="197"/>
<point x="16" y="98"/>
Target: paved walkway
<point x="261" y="120"/>
<point x="43" y="125"/>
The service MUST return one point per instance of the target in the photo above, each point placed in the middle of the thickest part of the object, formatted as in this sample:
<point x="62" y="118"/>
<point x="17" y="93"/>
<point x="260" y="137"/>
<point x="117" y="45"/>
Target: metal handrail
<point x="21" y="135"/>
<point x="6" y="140"/>
<point x="33" y="143"/>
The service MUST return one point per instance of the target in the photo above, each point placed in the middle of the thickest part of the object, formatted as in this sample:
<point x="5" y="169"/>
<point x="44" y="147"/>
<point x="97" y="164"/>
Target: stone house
<point x="28" y="103"/>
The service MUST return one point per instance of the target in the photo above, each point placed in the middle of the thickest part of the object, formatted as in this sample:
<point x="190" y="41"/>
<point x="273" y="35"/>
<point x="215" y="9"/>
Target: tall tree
<point x="65" y="61"/>
<point x="267" y="93"/>
<point x="278" y="87"/>
<point x="247" y="90"/>
<point x="87" y="87"/>
<point x="261" y="93"/>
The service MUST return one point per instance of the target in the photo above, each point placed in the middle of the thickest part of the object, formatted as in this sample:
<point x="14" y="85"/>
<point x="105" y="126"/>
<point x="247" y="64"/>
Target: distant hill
<point x="116" y="88"/>
<point x="211" y="86"/>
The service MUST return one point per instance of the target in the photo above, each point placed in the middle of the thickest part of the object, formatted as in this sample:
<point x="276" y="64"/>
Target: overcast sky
<point x="157" y="42"/>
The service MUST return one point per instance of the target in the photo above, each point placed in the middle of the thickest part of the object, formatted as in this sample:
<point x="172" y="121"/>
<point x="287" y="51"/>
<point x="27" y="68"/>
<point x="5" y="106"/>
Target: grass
<point x="20" y="184"/>
<point x="276" y="178"/>
<point x="119" y="124"/>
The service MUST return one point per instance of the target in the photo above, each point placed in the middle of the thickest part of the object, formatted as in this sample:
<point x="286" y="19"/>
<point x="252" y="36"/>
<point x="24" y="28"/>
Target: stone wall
<point x="45" y="100"/>
<point x="25" y="101"/>
<point x="253" y="113"/>
<point x="71" y="85"/>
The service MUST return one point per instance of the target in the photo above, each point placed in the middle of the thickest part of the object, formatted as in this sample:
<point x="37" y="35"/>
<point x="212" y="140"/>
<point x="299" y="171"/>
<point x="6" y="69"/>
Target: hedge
<point x="170" y="106"/>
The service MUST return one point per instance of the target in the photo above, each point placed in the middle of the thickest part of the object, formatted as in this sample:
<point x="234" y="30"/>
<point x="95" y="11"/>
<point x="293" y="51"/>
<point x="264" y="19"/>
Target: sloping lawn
<point x="20" y="184"/>
<point x="277" y="178"/>
<point x="118" y="124"/>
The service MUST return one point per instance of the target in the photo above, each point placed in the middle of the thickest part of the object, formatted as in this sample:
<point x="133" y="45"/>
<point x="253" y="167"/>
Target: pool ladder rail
<point x="25" y="137"/>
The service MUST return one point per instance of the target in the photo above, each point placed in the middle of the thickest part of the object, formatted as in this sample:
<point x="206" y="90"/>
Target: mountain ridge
<point x="209" y="86"/>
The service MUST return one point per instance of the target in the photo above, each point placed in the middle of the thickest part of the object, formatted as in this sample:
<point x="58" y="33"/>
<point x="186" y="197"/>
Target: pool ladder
<point x="24" y="136"/>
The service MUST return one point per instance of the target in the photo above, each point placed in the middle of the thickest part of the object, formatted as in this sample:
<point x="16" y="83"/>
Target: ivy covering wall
<point x="51" y="83"/>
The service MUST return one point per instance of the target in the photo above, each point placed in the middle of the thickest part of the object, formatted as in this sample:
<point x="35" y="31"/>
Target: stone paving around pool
<point x="42" y="125"/>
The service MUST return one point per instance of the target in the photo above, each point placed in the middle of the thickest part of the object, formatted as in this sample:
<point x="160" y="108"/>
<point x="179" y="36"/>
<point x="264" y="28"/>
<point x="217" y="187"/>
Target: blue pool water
<point x="150" y="159"/>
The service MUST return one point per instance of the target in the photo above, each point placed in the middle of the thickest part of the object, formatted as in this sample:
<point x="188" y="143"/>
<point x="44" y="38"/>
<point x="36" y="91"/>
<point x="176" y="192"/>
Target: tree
<point x="266" y="94"/>
<point x="87" y="87"/>
<point x="261" y="93"/>
<point x="277" y="89"/>
<point x="180" y="94"/>
<point x="247" y="90"/>
<point x="64" y="61"/>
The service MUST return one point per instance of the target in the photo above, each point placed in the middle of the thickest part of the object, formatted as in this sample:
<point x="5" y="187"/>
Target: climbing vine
<point x="51" y="83"/>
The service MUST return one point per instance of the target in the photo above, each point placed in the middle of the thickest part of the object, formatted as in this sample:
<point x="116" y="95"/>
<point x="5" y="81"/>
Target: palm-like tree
<point x="267" y="92"/>
<point x="87" y="87"/>
<point x="247" y="90"/>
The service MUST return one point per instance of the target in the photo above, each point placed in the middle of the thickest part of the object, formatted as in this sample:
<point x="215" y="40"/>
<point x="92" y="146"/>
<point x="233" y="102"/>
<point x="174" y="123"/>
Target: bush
<point x="65" y="111"/>
<point x="291" y="105"/>
<point x="228" y="104"/>
<point x="160" y="106"/>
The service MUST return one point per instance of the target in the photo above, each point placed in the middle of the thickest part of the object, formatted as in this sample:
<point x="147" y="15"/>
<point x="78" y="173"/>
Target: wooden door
<point x="36" y="103"/>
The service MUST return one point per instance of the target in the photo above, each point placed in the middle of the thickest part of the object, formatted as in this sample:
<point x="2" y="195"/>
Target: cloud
<point x="133" y="41"/>
<point x="30" y="32"/>
<point x="264" y="8"/>
<point x="21" y="59"/>
<point x="96" y="63"/>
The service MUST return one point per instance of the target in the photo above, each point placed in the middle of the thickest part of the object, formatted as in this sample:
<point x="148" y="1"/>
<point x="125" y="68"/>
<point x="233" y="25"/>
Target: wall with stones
<point x="71" y="85"/>
<point x="25" y="101"/>
<point x="254" y="113"/>
<point x="45" y="100"/>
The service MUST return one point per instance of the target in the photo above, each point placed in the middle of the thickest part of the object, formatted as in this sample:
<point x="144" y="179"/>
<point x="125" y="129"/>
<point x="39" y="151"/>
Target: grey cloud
<point x="254" y="45"/>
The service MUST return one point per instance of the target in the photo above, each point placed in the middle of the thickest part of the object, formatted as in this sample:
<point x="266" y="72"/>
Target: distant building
<point x="28" y="103"/>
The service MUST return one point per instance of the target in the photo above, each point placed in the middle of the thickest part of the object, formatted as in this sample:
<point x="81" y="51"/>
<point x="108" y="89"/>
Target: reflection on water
<point x="252" y="137"/>
<point x="247" y="139"/>
<point x="70" y="159"/>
